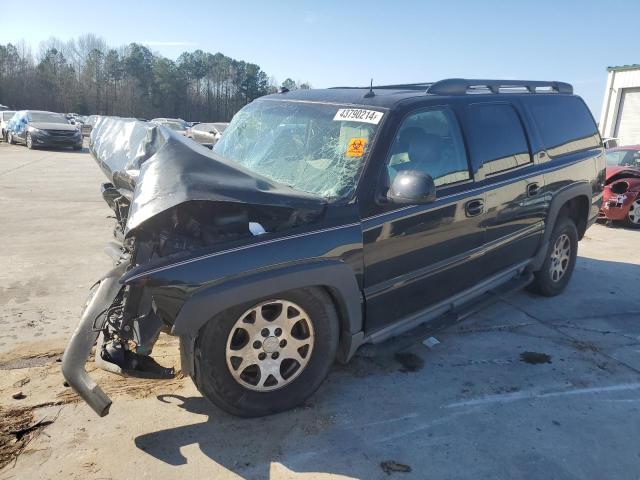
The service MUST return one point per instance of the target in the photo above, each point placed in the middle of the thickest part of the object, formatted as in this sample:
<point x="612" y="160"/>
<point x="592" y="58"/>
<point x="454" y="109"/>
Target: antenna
<point x="370" y="93"/>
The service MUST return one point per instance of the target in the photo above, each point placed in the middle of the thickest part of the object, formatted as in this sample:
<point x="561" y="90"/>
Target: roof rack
<point x="462" y="86"/>
<point x="421" y="86"/>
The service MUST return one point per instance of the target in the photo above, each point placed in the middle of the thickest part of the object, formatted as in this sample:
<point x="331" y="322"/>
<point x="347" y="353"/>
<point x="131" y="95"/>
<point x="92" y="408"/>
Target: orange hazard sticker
<point x="356" y="147"/>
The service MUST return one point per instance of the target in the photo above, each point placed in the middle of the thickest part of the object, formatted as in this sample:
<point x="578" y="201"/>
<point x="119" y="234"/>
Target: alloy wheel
<point x="560" y="257"/>
<point x="634" y="212"/>
<point x="270" y="345"/>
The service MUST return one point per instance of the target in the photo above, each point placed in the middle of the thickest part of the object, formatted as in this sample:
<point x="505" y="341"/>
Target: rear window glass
<point x="565" y="124"/>
<point x="496" y="138"/>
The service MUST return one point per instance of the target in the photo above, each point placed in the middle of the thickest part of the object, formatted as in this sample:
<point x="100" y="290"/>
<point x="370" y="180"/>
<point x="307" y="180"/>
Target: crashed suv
<point x="326" y="219"/>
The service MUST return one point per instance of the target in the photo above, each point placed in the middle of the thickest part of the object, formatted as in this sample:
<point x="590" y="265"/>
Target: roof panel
<point x="384" y="98"/>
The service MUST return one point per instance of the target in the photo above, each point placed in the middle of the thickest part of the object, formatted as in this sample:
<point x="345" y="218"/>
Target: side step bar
<point x="461" y="305"/>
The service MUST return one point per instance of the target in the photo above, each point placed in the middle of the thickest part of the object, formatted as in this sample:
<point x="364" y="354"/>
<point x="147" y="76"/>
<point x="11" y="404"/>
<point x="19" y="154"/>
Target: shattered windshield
<point x="315" y="148"/>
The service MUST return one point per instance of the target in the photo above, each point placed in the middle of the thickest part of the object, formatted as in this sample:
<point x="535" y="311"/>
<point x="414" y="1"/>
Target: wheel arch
<point x="336" y="278"/>
<point x="573" y="201"/>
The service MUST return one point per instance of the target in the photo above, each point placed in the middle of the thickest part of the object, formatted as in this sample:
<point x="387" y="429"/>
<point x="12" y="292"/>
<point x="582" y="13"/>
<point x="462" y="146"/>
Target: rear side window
<point x="565" y="124"/>
<point x="496" y="138"/>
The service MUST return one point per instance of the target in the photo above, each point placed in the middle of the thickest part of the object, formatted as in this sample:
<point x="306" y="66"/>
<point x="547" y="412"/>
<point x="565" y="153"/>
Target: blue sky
<point x="345" y="43"/>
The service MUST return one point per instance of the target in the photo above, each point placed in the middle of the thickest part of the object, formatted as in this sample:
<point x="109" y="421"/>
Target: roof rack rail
<point x="462" y="86"/>
<point x="421" y="86"/>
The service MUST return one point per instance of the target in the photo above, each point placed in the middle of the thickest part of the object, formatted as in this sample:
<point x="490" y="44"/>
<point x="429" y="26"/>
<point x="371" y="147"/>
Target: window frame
<point x="480" y="173"/>
<point x="383" y="180"/>
<point x="550" y="155"/>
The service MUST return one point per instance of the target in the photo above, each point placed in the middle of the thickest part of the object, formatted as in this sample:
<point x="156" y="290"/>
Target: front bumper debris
<point x="82" y="341"/>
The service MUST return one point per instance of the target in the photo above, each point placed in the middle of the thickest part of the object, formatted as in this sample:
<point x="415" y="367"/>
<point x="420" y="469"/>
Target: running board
<point x="462" y="305"/>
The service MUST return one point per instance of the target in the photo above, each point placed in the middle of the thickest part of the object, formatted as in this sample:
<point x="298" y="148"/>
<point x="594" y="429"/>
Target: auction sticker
<point x="356" y="147"/>
<point x="358" y="115"/>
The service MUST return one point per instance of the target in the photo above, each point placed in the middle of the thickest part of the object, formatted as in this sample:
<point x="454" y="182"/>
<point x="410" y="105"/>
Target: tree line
<point x="88" y="77"/>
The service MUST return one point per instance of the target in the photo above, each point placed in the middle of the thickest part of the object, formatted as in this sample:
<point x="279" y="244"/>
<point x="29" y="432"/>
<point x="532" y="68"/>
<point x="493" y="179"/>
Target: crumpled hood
<point x="53" y="126"/>
<point x="158" y="169"/>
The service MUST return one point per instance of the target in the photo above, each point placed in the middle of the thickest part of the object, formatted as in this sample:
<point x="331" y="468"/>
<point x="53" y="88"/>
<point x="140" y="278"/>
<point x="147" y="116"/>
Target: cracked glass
<point x="299" y="144"/>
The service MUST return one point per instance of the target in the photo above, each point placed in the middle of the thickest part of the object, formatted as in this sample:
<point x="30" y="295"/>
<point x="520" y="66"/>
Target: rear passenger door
<point x="513" y="218"/>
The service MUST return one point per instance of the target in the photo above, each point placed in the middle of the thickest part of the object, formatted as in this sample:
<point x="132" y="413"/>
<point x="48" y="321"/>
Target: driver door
<point x="418" y="255"/>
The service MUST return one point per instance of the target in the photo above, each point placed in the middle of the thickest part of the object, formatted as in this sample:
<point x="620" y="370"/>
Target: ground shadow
<point x="306" y="440"/>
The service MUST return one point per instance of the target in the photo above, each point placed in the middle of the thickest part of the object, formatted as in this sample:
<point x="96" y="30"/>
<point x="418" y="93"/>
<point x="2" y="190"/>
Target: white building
<point x="620" y="116"/>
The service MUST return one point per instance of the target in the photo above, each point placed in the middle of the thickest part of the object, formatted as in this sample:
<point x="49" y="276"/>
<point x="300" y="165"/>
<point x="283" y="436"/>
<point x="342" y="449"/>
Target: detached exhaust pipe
<point x="79" y="348"/>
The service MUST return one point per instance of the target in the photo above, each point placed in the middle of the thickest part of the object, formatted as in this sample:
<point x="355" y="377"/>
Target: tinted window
<point x="496" y="138"/>
<point x="430" y="142"/>
<point x="565" y="124"/>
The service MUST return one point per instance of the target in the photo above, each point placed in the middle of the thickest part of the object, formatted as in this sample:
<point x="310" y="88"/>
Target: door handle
<point x="532" y="189"/>
<point x="474" y="207"/>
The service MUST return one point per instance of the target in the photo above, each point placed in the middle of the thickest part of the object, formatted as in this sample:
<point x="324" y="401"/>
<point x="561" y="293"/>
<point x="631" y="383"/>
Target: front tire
<point x="10" y="140"/>
<point x="632" y="219"/>
<point x="556" y="271"/>
<point x="267" y="356"/>
<point x="29" y="142"/>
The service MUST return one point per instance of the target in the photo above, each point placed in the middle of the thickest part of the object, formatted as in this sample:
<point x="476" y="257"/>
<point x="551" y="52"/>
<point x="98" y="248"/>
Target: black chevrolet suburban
<point x="327" y="219"/>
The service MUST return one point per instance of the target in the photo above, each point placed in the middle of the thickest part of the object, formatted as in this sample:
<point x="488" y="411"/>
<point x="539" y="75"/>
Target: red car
<point x="622" y="186"/>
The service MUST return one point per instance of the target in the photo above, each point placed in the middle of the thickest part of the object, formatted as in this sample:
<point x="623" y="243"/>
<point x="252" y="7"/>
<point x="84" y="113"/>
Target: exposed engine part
<point x="132" y="325"/>
<point x="114" y="356"/>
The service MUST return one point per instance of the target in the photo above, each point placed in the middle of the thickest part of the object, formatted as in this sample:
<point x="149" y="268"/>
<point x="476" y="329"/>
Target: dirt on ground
<point x="32" y="386"/>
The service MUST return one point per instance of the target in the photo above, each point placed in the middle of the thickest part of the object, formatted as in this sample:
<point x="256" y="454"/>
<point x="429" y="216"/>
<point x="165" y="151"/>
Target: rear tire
<point x="250" y="391"/>
<point x="556" y="271"/>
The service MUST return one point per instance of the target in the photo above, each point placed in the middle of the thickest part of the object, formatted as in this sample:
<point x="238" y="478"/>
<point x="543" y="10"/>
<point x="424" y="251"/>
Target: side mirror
<point x="413" y="187"/>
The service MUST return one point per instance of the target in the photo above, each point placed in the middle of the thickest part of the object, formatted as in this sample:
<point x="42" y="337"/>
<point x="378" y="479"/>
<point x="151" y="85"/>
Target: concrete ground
<point x="468" y="407"/>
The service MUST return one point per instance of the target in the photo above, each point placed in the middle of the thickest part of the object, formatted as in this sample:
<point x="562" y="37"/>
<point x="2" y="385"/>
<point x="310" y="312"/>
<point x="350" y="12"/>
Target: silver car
<point x="5" y="116"/>
<point x="208" y="134"/>
<point x="176" y="124"/>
